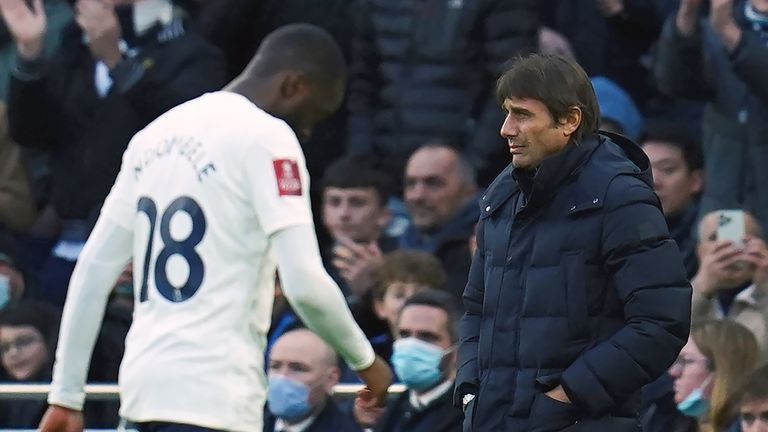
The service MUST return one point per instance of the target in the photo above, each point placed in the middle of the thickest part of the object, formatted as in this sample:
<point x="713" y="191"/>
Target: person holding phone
<point x="732" y="281"/>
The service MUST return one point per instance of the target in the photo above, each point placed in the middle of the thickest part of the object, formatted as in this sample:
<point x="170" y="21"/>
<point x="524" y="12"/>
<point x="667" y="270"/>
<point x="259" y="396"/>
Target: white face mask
<point x="5" y="290"/>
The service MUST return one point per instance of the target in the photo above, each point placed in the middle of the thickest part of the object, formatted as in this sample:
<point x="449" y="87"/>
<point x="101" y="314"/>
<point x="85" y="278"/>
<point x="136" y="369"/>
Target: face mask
<point x="288" y="399"/>
<point x="417" y="363"/>
<point x="5" y="290"/>
<point x="695" y="404"/>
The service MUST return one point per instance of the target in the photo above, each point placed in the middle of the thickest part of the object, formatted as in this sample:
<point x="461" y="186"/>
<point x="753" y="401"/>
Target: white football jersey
<point x="202" y="188"/>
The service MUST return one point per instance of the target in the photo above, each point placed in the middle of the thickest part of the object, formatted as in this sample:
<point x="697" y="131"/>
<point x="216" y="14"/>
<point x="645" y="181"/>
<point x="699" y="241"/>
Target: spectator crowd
<point x="399" y="174"/>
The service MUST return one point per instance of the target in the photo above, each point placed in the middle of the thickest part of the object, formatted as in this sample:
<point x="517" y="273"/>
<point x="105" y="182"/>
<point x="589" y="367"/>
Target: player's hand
<point x="60" y="419"/>
<point x="377" y="378"/>
<point x="366" y="416"/>
<point x="26" y="24"/>
<point x="357" y="263"/>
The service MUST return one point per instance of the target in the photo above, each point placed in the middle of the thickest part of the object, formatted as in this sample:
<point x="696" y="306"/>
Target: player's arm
<point x="105" y="255"/>
<point x="317" y="299"/>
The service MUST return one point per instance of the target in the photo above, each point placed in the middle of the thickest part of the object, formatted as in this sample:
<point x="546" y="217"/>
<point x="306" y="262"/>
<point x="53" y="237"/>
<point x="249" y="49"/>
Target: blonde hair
<point x="732" y="352"/>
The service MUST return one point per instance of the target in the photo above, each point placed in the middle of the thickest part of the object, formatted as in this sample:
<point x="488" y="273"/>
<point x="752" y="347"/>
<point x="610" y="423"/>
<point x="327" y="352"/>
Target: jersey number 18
<point x="184" y="248"/>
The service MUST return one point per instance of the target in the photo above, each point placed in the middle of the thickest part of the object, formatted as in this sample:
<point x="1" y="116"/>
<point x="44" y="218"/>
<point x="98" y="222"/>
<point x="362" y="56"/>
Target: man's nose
<point x="508" y="128"/>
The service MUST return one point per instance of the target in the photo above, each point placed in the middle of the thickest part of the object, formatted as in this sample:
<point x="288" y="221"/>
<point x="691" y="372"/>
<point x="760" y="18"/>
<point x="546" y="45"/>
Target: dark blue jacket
<point x="439" y="416"/>
<point x="331" y="418"/>
<point x="575" y="283"/>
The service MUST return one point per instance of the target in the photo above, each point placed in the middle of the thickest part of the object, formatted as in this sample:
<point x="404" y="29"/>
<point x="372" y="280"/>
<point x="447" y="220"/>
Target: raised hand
<point x="610" y="8"/>
<point x="357" y="263"/>
<point x="722" y="21"/>
<point x="98" y="20"/>
<point x="687" y="15"/>
<point x="27" y="26"/>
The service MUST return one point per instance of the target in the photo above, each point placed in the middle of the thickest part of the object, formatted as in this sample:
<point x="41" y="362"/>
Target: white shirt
<point x="421" y="401"/>
<point x="282" y="426"/>
<point x="201" y="189"/>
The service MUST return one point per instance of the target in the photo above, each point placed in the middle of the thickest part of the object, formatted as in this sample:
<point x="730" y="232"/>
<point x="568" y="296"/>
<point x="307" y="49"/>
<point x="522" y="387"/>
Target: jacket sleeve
<point x="648" y="275"/>
<point x="467" y="371"/>
<point x="750" y="63"/>
<point x="179" y="71"/>
<point x="363" y="83"/>
<point x="508" y="28"/>
<point x="680" y="69"/>
<point x="35" y="117"/>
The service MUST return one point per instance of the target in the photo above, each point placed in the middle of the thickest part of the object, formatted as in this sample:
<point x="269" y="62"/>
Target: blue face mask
<point x="5" y="290"/>
<point x="417" y="363"/>
<point x="288" y="399"/>
<point x="695" y="404"/>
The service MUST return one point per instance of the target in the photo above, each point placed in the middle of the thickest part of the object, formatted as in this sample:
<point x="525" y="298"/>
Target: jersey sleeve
<point x="120" y="205"/>
<point x="278" y="182"/>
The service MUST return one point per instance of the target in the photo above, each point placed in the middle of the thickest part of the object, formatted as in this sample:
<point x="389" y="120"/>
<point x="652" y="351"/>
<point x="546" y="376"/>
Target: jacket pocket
<point x="576" y="293"/>
<point x="550" y="415"/>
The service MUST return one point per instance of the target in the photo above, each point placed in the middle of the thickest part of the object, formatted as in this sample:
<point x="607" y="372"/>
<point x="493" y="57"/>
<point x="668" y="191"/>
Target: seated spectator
<point x="441" y="195"/>
<point x="751" y="401"/>
<point x="733" y="283"/>
<point x="403" y="274"/>
<point x="618" y="113"/>
<point x="302" y="373"/>
<point x="710" y="366"/>
<point x="28" y="333"/>
<point x="354" y="211"/>
<point x="120" y="65"/>
<point x="424" y="359"/>
<point x="678" y="180"/>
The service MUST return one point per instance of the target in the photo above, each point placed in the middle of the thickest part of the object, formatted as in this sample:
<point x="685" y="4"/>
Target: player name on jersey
<point x="187" y="147"/>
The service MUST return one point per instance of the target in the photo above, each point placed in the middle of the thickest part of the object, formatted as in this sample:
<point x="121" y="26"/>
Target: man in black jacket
<point x="576" y="297"/>
<point x="422" y="69"/>
<point x="119" y="67"/>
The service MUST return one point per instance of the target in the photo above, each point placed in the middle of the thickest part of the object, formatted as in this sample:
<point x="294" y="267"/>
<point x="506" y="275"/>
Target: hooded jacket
<point x="575" y="283"/>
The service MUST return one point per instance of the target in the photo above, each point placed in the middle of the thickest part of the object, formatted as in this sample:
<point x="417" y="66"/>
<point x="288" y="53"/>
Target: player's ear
<point x="294" y="88"/>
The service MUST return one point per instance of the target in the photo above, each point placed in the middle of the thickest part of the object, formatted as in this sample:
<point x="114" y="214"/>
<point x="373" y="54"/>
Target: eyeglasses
<point x="683" y="362"/>
<point x="20" y="343"/>
<point x="748" y="418"/>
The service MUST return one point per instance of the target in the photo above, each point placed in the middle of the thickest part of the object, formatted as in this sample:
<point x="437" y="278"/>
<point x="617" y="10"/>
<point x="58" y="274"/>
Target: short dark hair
<point x="560" y="84"/>
<point x="441" y="300"/>
<point x="358" y="171"/>
<point x="304" y="47"/>
<point x="42" y="316"/>
<point x="405" y="265"/>
<point x="679" y="136"/>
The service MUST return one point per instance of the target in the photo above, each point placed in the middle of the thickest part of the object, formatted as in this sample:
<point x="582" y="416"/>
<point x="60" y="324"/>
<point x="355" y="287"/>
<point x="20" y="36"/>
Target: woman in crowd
<point x="718" y="355"/>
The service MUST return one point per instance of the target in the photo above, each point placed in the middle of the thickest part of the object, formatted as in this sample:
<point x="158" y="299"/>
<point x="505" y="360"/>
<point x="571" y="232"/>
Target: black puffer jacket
<point x="579" y="287"/>
<point x="426" y="68"/>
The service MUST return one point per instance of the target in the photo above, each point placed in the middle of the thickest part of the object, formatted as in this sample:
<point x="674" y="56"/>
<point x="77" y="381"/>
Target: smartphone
<point x="730" y="226"/>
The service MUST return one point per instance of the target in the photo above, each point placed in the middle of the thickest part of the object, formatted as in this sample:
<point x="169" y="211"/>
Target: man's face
<point x="303" y="357"/>
<point x="690" y="372"/>
<point x="306" y="104"/>
<point x="23" y="351"/>
<point x="754" y="416"/>
<point x="531" y="133"/>
<point x="674" y="183"/>
<point x="427" y="323"/>
<point x="357" y="213"/>
<point x="434" y="189"/>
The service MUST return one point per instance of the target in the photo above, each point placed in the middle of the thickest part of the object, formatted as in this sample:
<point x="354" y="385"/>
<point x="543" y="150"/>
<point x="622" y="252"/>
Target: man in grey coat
<point x="724" y="60"/>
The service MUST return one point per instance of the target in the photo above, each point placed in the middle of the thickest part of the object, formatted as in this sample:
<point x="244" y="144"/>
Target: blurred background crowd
<point x="397" y="173"/>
